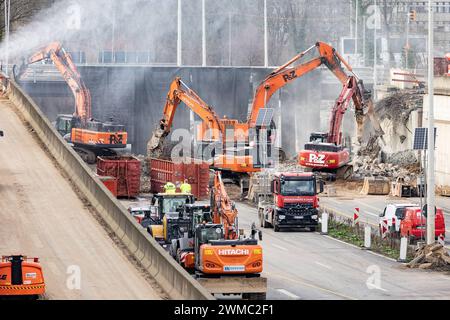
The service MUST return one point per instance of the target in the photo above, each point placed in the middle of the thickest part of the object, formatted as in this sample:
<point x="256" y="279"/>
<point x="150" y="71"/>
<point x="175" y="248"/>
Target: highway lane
<point x="304" y="265"/>
<point x="42" y="216"/>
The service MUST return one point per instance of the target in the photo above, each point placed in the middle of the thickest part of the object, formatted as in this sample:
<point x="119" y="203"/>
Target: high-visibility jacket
<point x="186" y="188"/>
<point x="170" y="188"/>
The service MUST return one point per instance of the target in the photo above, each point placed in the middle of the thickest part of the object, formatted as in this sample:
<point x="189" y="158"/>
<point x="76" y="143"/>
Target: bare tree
<point x="287" y="29"/>
<point x="389" y="12"/>
<point x="21" y="12"/>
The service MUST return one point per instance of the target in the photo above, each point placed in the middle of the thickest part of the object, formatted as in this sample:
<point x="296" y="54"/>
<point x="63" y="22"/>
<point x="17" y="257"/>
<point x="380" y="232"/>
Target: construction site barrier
<point x="172" y="278"/>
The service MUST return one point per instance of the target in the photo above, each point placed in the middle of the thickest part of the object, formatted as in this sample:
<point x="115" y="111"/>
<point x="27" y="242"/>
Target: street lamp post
<point x="179" y="36"/>
<point x="407" y="40"/>
<point x="266" y="36"/>
<point x="356" y="27"/>
<point x="203" y="33"/>
<point x="430" y="172"/>
<point x="375" y="80"/>
<point x="7" y="25"/>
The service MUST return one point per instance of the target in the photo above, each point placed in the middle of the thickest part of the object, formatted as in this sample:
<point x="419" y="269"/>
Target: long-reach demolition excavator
<point x="89" y="137"/>
<point x="325" y="152"/>
<point x="213" y="132"/>
<point x="289" y="72"/>
<point x="206" y="241"/>
<point x="21" y="276"/>
<point x="179" y="92"/>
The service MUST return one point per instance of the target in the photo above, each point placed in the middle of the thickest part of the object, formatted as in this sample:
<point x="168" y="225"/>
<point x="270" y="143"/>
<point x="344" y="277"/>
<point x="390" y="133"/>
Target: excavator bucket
<point x="21" y="276"/>
<point x="155" y="144"/>
<point x="369" y="130"/>
<point x="376" y="186"/>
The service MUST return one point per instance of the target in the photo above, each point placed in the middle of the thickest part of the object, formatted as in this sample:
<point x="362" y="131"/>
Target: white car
<point x="394" y="211"/>
<point x="139" y="212"/>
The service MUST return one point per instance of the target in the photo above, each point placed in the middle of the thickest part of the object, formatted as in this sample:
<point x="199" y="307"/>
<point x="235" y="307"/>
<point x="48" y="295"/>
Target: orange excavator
<point x="21" y="276"/>
<point x="261" y="118"/>
<point x="90" y="138"/>
<point x="223" y="260"/>
<point x="179" y="92"/>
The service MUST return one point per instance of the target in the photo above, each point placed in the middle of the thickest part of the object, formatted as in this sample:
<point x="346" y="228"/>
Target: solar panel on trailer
<point x="421" y="138"/>
<point x="265" y="117"/>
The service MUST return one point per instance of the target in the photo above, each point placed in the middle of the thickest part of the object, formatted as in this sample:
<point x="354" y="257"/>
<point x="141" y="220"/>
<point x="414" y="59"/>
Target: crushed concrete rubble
<point x="432" y="257"/>
<point x="145" y="174"/>
<point x="396" y="110"/>
<point x="403" y="166"/>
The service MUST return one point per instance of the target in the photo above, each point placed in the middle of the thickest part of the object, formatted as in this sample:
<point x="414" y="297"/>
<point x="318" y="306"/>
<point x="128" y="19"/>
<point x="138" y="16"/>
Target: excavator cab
<point x="21" y="276"/>
<point x="65" y="123"/>
<point x="318" y="137"/>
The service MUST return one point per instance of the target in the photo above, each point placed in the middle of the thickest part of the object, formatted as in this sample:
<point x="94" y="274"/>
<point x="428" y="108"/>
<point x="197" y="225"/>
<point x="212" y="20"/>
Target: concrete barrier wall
<point x="170" y="276"/>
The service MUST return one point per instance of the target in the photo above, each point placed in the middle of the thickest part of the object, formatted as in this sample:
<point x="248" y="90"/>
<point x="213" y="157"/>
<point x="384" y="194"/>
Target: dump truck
<point x="293" y="201"/>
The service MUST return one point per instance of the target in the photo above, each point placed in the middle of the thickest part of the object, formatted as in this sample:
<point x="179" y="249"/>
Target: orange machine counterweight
<point x="21" y="276"/>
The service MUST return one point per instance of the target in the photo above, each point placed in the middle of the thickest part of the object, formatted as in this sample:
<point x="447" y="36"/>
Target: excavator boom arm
<point x="224" y="211"/>
<point x="285" y="74"/>
<point x="65" y="65"/>
<point x="180" y="92"/>
<point x="349" y="91"/>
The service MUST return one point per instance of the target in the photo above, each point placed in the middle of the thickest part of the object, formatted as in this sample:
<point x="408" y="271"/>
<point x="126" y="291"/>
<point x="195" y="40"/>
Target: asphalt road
<point x="42" y="216"/>
<point x="304" y="265"/>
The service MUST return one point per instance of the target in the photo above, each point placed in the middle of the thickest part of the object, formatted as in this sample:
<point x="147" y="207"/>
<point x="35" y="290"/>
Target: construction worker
<point x="170" y="188"/>
<point x="186" y="187"/>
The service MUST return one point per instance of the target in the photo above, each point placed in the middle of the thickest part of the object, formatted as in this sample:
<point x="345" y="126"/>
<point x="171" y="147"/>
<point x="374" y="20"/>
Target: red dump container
<point x="127" y="171"/>
<point x="110" y="183"/>
<point x="163" y="171"/>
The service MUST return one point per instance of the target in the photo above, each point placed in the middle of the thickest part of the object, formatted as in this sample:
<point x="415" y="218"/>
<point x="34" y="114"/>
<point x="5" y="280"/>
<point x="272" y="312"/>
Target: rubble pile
<point x="393" y="169"/>
<point x="404" y="158"/>
<point x="394" y="111"/>
<point x="145" y="174"/>
<point x="289" y="166"/>
<point x="433" y="256"/>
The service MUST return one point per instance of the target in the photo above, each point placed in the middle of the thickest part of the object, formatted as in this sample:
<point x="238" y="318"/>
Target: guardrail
<point x="172" y="278"/>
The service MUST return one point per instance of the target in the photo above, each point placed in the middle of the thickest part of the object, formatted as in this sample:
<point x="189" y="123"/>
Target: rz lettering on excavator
<point x="290" y="76"/>
<point x="116" y="139"/>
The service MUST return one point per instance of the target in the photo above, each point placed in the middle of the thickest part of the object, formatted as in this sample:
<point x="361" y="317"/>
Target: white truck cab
<point x="394" y="211"/>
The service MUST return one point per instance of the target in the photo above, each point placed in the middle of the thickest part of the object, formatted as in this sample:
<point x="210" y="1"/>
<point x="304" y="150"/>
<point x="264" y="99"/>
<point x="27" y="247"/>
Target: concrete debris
<point x="396" y="110"/>
<point x="401" y="166"/>
<point x="431" y="257"/>
<point x="405" y="158"/>
<point x="289" y="166"/>
<point x="145" y="174"/>
<point x="399" y="106"/>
